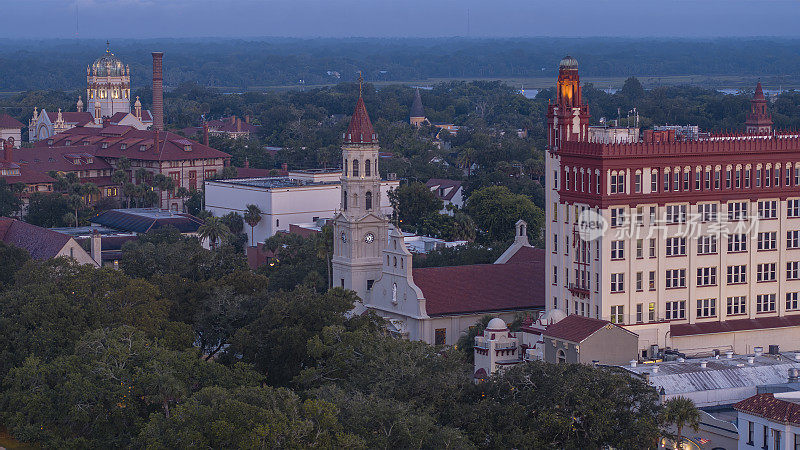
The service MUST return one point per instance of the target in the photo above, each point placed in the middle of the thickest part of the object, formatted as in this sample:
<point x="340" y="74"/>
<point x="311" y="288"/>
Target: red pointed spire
<point x="759" y="94"/>
<point x="360" y="130"/>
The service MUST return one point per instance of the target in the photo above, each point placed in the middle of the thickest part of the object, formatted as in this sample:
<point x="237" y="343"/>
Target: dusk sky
<point x="408" y="18"/>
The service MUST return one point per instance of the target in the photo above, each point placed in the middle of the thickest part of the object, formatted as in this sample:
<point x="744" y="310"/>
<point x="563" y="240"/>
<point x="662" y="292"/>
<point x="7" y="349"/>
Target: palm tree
<point x="252" y="215"/>
<point x="183" y="193"/>
<point x="214" y="230"/>
<point x="75" y="202"/>
<point x="324" y="246"/>
<point x="466" y="158"/>
<point x="680" y="411"/>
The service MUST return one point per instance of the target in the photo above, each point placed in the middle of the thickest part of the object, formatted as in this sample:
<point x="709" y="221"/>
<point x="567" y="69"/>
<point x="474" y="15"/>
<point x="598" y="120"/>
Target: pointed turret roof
<point x="360" y="130"/>
<point x="759" y="95"/>
<point x="416" y="107"/>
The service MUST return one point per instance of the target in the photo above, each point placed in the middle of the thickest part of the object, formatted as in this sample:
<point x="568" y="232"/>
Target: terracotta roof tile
<point x="575" y="328"/>
<point x="360" y="130"/>
<point x="771" y="408"/>
<point x="7" y="121"/>
<point x="690" y="329"/>
<point x="483" y="287"/>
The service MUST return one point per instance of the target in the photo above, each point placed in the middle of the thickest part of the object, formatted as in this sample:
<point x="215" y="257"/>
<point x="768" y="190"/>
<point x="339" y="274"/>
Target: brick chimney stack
<point x="158" y="92"/>
<point x="205" y="134"/>
<point x="8" y="150"/>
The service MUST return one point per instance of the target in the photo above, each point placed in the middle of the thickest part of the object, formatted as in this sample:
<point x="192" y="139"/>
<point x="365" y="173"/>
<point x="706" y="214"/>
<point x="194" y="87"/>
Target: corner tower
<point x="759" y="121"/>
<point x="568" y="118"/>
<point x="360" y="230"/>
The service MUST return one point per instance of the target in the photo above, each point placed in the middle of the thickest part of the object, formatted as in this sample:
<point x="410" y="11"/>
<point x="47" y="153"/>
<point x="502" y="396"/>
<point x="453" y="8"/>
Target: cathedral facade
<point x="108" y="101"/>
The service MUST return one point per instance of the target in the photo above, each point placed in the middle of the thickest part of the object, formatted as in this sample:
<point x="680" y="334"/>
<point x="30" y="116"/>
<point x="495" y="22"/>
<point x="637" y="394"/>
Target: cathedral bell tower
<point x="360" y="229"/>
<point x="759" y="121"/>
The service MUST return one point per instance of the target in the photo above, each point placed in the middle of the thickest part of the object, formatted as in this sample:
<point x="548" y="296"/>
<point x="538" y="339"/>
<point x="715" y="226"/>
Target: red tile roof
<point x="40" y="242"/>
<point x="171" y="147"/>
<point x="78" y="118"/>
<point x="771" y="408"/>
<point x="117" y="117"/>
<point x="360" y="130"/>
<point x="483" y="287"/>
<point x="574" y="328"/>
<point x="7" y="121"/>
<point x="526" y="255"/>
<point x="61" y="159"/>
<point x="760" y="323"/>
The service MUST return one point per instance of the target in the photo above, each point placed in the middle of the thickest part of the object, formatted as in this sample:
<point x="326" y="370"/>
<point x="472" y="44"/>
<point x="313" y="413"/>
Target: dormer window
<point x="104" y="145"/>
<point x="67" y="143"/>
<point x="187" y="148"/>
<point x="89" y="160"/>
<point x="85" y="142"/>
<point x="49" y="142"/>
<point x="123" y="146"/>
<point x="142" y="148"/>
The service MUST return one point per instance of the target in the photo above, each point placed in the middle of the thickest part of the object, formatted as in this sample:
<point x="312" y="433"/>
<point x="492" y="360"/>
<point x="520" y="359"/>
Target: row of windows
<point x="367" y="200"/>
<point x="684" y="179"/>
<point x="777" y="436"/>
<point x="356" y="166"/>
<point x="706" y="245"/>
<point x="705" y="307"/>
<point x="706" y="276"/>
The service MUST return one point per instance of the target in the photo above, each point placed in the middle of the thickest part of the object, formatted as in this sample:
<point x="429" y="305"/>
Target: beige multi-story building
<point x="693" y="244"/>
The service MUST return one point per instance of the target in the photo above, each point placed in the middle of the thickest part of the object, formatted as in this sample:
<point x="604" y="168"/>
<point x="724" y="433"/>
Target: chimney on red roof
<point x="246" y="163"/>
<point x="247" y="119"/>
<point x="158" y="92"/>
<point x="238" y="125"/>
<point x="205" y="134"/>
<point x="8" y="151"/>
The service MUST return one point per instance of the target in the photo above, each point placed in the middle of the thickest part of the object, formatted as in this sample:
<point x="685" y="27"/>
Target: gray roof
<point x="737" y="372"/>
<point x="416" y="107"/>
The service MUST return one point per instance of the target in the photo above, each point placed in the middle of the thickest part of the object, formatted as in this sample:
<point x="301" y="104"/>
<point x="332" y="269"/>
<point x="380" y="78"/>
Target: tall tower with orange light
<point x="568" y="117"/>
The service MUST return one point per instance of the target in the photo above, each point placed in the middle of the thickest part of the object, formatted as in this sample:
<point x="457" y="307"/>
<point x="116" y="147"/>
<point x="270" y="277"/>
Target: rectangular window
<point x="747" y="174"/>
<point x="697" y="180"/>
<point x="765" y="303"/>
<point x="676" y="278"/>
<point x="555" y="275"/>
<point x="617" y="282"/>
<point x="676" y="213"/>
<point x="617" y="314"/>
<point x="797" y="183"/>
<point x="637" y="185"/>
<point x="792" y="302"/>
<point x="676" y="181"/>
<point x="793" y="239"/>
<point x="708" y="180"/>
<point x="617" y="217"/>
<point x="639" y="313"/>
<point x="652" y="281"/>
<point x="768" y="209"/>
<point x="654" y="181"/>
<point x="596" y="282"/>
<point x="652" y="247"/>
<point x="676" y="246"/>
<point x="793" y="207"/>
<point x="750" y="433"/>
<point x="727" y="179"/>
<point x="766" y="272"/>
<point x="566" y="277"/>
<point x="555" y="211"/>
<point x="666" y="181"/>
<point x="685" y="181"/>
<point x="652" y="215"/>
<point x="768" y="179"/>
<point x="555" y="179"/>
<point x="737" y="211"/>
<point x="793" y="270"/>
<point x="639" y="249"/>
<point x="638" y="281"/>
<point x="717" y="178"/>
<point x="737" y="274"/>
<point x="788" y="176"/>
<point x="707" y="245"/>
<point x="617" y="250"/>
<point x="675" y="310"/>
<point x="737" y="305"/>
<point x="651" y="311"/>
<point x="440" y="336"/>
<point x="618" y="184"/>
<point x="738" y="178"/>
<point x="706" y="276"/>
<point x="708" y="212"/>
<point x="555" y="243"/>
<point x="737" y="243"/>
<point x="758" y="178"/>
<point x="707" y="307"/>
<point x="639" y="216"/>
<point x="768" y="240"/>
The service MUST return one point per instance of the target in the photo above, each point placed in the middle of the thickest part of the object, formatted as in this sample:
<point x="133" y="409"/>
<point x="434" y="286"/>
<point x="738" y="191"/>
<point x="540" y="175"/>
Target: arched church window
<point x="367" y="168"/>
<point x="387" y="260"/>
<point x="561" y="357"/>
<point x="355" y="167"/>
<point x="401" y="263"/>
<point x="395" y="261"/>
<point x="368" y="200"/>
<point x="344" y="201"/>
<point x="345" y="167"/>
<point x="355" y="199"/>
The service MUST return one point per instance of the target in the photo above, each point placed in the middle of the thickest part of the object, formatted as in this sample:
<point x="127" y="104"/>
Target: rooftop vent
<point x="751" y="359"/>
<point x="774" y="349"/>
<point x="655" y="369"/>
<point x="794" y="375"/>
<point x="729" y="354"/>
<point x="758" y="351"/>
<point x="633" y="363"/>
<point x="703" y="364"/>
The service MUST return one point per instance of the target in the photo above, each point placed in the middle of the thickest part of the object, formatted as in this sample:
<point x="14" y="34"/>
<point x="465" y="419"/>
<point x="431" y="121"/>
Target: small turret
<point x="80" y="104"/>
<point x="137" y="108"/>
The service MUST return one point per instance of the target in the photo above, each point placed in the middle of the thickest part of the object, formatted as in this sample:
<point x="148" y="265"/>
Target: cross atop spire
<point x="108" y="46"/>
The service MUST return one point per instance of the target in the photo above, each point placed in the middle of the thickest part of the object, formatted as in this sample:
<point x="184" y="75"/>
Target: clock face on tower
<point x="344" y="237"/>
<point x="369" y="238"/>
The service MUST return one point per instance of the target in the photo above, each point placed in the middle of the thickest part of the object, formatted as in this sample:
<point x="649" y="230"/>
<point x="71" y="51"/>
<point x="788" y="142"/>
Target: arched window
<point x="355" y="200"/>
<point x="368" y="200"/>
<point x="395" y="261"/>
<point x="344" y="201"/>
<point x="561" y="357"/>
<point x="355" y="167"/>
<point x="367" y="168"/>
<point x="345" y="167"/>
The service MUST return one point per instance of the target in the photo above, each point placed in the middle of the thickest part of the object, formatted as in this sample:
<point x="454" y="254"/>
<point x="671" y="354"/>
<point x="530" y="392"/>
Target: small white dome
<point x="553" y="316"/>
<point x="496" y="324"/>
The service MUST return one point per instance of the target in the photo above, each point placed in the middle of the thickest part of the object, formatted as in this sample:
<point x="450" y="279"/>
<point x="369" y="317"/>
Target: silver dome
<point x="568" y="62"/>
<point x="108" y="65"/>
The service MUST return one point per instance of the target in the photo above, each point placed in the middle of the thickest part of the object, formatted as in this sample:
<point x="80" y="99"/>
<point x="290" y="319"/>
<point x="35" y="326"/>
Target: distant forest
<point x="239" y="65"/>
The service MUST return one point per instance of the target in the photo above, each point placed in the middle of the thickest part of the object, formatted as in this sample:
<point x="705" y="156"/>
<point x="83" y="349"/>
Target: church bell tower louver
<point x="360" y="229"/>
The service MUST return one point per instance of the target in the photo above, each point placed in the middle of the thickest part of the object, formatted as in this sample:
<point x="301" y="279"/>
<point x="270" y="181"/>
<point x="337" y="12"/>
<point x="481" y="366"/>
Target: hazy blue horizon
<point x="254" y="19"/>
